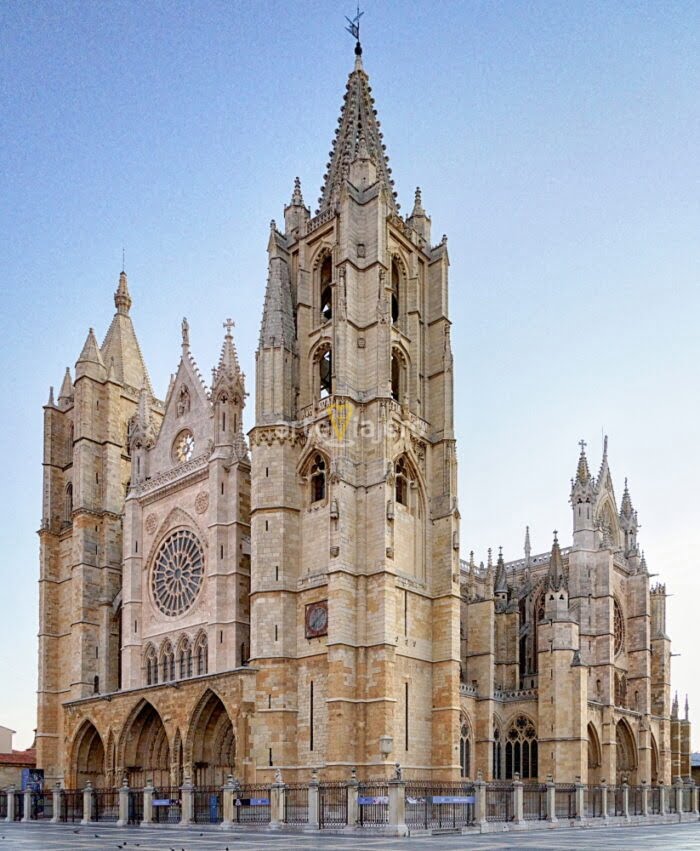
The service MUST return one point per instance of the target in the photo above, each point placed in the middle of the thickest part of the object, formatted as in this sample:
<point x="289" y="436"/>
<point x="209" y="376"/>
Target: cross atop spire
<point x="228" y="325"/>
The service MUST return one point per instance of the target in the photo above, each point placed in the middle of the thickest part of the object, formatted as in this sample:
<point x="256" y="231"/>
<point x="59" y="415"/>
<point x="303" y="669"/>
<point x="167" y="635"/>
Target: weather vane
<point x="354" y="25"/>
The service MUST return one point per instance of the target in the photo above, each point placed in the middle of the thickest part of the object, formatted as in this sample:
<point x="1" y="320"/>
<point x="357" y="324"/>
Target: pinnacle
<point x="297" y="197"/>
<point x="91" y="351"/>
<point x="583" y="474"/>
<point x="66" y="390"/>
<point x="122" y="299"/>
<point x="555" y="576"/>
<point x="418" y="204"/>
<point x="228" y="359"/>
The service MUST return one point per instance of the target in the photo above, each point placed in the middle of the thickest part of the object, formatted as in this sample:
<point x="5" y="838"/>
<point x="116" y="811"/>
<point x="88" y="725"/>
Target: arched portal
<point x="595" y="758"/>
<point x="212" y="744"/>
<point x="145" y="749"/>
<point x="626" y="754"/>
<point x="88" y="757"/>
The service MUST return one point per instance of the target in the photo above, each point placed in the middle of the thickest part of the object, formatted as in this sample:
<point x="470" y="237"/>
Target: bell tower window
<point x="318" y="479"/>
<point x="402" y="482"/>
<point x="395" y="287"/>
<point x="325" y="288"/>
<point x="325" y="374"/>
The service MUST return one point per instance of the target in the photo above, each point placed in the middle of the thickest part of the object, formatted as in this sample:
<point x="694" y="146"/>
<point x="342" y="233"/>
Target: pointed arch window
<point x="403" y="482"/>
<point x="69" y="502"/>
<point x="202" y="656"/>
<point x="395" y="291"/>
<point x="464" y="749"/>
<point x="167" y="663"/>
<point x="151" y="667"/>
<point x="497" y="753"/>
<point x="317" y="477"/>
<point x="326" y="291"/>
<point x="521" y="749"/>
<point x="325" y="374"/>
<point x="185" y="659"/>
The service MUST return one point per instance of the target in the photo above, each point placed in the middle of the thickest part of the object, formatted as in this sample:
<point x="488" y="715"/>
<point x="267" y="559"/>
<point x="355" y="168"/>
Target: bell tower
<point x="355" y="525"/>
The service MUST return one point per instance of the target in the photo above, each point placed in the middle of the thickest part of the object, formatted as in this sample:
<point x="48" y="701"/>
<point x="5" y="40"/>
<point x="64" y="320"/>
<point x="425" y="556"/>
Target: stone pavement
<point x="48" y="837"/>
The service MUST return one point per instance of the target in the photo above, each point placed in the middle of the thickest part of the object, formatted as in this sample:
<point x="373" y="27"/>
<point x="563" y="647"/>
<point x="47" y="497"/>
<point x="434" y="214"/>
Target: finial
<point x="605" y="447"/>
<point x="123" y="260"/>
<point x="490" y="559"/>
<point x="528" y="549"/>
<point x="228" y="325"/>
<point x="185" y="332"/>
<point x="556" y="539"/>
<point x="297" y="197"/>
<point x="354" y="29"/>
<point x="122" y="299"/>
<point x="582" y="443"/>
<point x="51" y="402"/>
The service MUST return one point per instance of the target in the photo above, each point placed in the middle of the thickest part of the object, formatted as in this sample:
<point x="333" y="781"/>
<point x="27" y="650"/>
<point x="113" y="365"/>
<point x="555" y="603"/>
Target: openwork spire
<point x="555" y="576"/>
<point x="357" y="137"/>
<point x="501" y="584"/>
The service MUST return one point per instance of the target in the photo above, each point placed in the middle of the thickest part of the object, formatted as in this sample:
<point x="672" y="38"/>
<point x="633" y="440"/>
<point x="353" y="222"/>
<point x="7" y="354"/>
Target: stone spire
<point x="501" y="583"/>
<point x="555" y="574"/>
<point x="583" y="485"/>
<point x="296" y="214"/>
<point x="142" y="430"/>
<point x="91" y="351"/>
<point x="674" y="706"/>
<point x="65" y="394"/>
<point x="277" y="327"/>
<point x="227" y="372"/>
<point x="357" y="137"/>
<point x="528" y="549"/>
<point x="687" y="709"/>
<point x="629" y="523"/>
<point x="121" y="346"/>
<point x="122" y="299"/>
<point x="583" y="474"/>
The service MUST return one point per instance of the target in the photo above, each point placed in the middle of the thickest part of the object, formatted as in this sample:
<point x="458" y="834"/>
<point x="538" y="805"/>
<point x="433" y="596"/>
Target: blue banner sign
<point x="252" y="802"/>
<point x="376" y="799"/>
<point x="453" y="799"/>
<point x="162" y="802"/>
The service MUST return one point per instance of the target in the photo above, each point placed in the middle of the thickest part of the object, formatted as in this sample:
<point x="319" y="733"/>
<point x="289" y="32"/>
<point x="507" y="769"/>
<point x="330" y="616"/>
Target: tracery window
<point x="395" y="286"/>
<point x="497" y="754"/>
<point x="326" y="292"/>
<point x="151" y="667"/>
<point x="521" y="749"/>
<point x="317" y="475"/>
<point x="325" y="374"/>
<point x="167" y="663"/>
<point x="620" y="690"/>
<point x="464" y="749"/>
<point x="618" y="627"/>
<point x="403" y="480"/>
<point x="183" y="447"/>
<point x="201" y="655"/>
<point x="69" y="502"/>
<point x="178" y="572"/>
<point x="185" y="659"/>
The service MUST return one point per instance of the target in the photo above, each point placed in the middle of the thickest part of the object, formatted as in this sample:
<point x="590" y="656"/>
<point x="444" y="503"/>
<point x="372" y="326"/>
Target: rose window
<point x="184" y="446"/>
<point x="178" y="571"/>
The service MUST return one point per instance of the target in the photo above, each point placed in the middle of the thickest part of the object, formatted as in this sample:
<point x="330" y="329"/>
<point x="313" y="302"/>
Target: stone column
<point x="87" y="804"/>
<point x="56" y="794"/>
<point x="518" y="806"/>
<point x="662" y="800"/>
<point x="604" y="799"/>
<point x="10" y="803"/>
<point x="678" y="790"/>
<point x="580" y="800"/>
<point x="551" y="800"/>
<point x="123" y="804"/>
<point x="626" y="800"/>
<point x="187" y="805"/>
<point x="314" y="813"/>
<point x="353" y="795"/>
<point x="228" y="790"/>
<point x="480" y="801"/>
<point x="695" y="799"/>
<point x="148" y="803"/>
<point x="27" y="805"/>
<point x="277" y="795"/>
<point x="645" y="798"/>
<point x="397" y="805"/>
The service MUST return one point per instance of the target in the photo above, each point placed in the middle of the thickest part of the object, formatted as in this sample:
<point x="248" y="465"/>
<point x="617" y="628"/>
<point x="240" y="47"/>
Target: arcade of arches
<point x="204" y="752"/>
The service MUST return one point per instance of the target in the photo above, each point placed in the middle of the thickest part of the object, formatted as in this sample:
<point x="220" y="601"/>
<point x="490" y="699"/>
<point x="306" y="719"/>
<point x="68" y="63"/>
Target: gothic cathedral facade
<point x="215" y="605"/>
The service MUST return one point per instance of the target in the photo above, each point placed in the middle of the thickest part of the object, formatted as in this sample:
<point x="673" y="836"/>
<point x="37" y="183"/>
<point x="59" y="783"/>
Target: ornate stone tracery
<point x="178" y="572"/>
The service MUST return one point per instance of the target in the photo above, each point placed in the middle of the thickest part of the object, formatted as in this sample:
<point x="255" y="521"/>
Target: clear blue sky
<point x="557" y="144"/>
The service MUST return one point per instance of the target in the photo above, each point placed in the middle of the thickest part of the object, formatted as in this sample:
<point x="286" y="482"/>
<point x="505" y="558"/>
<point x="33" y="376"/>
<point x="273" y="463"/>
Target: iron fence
<point x="3" y="805"/>
<point x="534" y="801"/>
<point x="616" y="798"/>
<point x="71" y="809"/>
<point x="167" y="805"/>
<point x="135" y="808"/>
<point x="208" y="805"/>
<point x="19" y="806"/>
<point x="436" y="806"/>
<point x="565" y="801"/>
<point x="296" y="804"/>
<point x="671" y="803"/>
<point x="593" y="801"/>
<point x="654" y="800"/>
<point x="373" y="803"/>
<point x="252" y="804"/>
<point x="635" y="800"/>
<point x="499" y="802"/>
<point x="333" y="804"/>
<point x="687" y="800"/>
<point x="42" y="806"/>
<point x="105" y="805"/>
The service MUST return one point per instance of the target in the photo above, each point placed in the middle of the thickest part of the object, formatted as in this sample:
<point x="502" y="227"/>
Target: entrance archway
<point x="145" y="749"/>
<point x="595" y="758"/>
<point x="212" y="743"/>
<point x="88" y="757"/>
<point x="626" y="754"/>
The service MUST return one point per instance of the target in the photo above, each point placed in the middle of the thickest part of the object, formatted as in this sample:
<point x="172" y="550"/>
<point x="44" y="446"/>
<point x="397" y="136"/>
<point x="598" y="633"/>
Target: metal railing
<point x="167" y="805"/>
<point x="654" y="800"/>
<point x="534" y="801"/>
<point x="3" y="805"/>
<point x="208" y="805"/>
<point x="687" y="800"/>
<point x="565" y="801"/>
<point x="105" y="805"/>
<point x="635" y="800"/>
<point x="373" y="803"/>
<point x="71" y="809"/>
<point x="135" y="807"/>
<point x="671" y="803"/>
<point x="19" y="806"/>
<point x="499" y="802"/>
<point x="42" y="806"/>
<point x="252" y="804"/>
<point x="296" y="804"/>
<point x="593" y="801"/>
<point x="332" y="804"/>
<point x="616" y="804"/>
<point x="439" y="806"/>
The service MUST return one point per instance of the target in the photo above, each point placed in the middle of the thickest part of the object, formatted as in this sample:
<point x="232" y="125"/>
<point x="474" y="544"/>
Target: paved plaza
<point x="47" y="837"/>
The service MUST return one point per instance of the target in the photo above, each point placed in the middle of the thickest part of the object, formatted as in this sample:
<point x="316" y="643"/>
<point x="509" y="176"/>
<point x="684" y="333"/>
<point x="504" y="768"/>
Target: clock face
<point x="317" y="619"/>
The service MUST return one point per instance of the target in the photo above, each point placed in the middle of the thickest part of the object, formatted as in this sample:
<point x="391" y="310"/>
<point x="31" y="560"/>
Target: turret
<point x="556" y="592"/>
<point x="629" y="526"/>
<point x="228" y="393"/>
<point x="583" y="496"/>
<point x="419" y="219"/>
<point x="296" y="213"/>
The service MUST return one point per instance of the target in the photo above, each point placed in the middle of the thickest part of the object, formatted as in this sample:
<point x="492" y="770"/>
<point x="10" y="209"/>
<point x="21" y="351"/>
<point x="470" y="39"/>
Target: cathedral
<point x="216" y="603"/>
